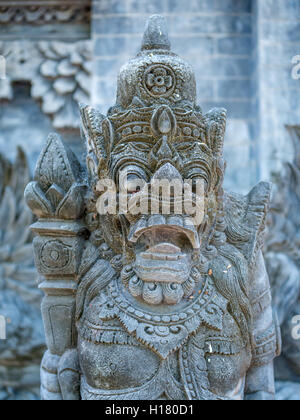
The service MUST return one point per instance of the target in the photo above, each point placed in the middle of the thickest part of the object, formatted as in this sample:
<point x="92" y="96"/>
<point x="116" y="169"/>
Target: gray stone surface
<point x="59" y="74"/>
<point x="21" y="119"/>
<point x="161" y="305"/>
<point x="283" y="264"/>
<point x="276" y="35"/>
<point x="45" y="81"/>
<point x="242" y="55"/>
<point x="21" y="351"/>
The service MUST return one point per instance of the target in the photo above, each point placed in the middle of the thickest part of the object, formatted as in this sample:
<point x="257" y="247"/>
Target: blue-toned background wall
<point x="276" y="91"/>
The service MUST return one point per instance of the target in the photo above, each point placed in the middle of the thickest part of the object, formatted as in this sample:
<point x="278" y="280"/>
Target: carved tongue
<point x="164" y="248"/>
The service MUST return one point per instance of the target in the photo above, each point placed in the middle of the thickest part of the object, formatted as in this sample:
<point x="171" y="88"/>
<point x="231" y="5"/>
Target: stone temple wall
<point x="276" y="88"/>
<point x="48" y="56"/>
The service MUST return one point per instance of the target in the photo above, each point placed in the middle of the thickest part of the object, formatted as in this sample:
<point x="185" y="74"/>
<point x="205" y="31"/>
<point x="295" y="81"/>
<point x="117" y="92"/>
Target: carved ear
<point x="215" y="129"/>
<point x="98" y="133"/>
<point x="94" y="127"/>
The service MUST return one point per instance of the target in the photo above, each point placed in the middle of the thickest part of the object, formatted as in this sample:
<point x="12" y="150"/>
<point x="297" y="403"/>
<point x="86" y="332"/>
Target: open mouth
<point x="164" y="246"/>
<point x="175" y="225"/>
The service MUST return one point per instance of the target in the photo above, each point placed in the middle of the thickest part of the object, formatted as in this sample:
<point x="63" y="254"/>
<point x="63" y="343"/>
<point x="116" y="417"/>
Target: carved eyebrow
<point x="203" y="146"/>
<point x="135" y="139"/>
<point x="121" y="147"/>
<point x="139" y="140"/>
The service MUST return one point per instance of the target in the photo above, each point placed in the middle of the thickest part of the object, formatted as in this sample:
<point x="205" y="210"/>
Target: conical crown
<point x="156" y="75"/>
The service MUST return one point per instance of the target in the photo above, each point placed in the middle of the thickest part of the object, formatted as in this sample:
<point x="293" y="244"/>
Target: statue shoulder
<point x="246" y="219"/>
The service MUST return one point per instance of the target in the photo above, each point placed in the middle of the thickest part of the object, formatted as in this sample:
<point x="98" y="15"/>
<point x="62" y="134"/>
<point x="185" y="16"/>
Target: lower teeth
<point x="152" y="293"/>
<point x="156" y="293"/>
<point x="173" y="293"/>
<point x="136" y="287"/>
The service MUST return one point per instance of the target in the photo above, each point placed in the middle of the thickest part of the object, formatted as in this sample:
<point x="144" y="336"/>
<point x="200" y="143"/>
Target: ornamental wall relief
<point x="59" y="73"/>
<point x="57" y="11"/>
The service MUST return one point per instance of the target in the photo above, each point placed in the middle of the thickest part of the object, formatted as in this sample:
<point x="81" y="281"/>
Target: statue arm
<point x="266" y="337"/>
<point x="57" y="198"/>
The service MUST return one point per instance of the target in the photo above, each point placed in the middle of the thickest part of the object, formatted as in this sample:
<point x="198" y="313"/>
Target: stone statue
<point x="283" y="265"/>
<point x="151" y="305"/>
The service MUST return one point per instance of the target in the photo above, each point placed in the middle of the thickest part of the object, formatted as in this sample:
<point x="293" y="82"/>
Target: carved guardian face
<point x="165" y="157"/>
<point x="154" y="148"/>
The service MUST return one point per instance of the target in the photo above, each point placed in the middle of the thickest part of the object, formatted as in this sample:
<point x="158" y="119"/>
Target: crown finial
<point x="156" y="34"/>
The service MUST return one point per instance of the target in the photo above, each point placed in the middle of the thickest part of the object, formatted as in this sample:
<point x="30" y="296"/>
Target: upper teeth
<point x="182" y="224"/>
<point x="162" y="257"/>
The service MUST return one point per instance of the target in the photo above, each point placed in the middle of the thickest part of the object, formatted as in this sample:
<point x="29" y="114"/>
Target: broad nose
<point x="167" y="191"/>
<point x="167" y="172"/>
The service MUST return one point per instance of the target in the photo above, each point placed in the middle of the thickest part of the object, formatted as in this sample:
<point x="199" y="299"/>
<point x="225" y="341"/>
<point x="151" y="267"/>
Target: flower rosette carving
<point x="58" y="190"/>
<point x="160" y="80"/>
<point x="55" y="254"/>
<point x="63" y="80"/>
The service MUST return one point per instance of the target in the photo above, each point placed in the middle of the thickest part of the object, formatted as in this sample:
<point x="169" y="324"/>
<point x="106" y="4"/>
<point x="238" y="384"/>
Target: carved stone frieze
<point x="44" y="11"/>
<point x="59" y="73"/>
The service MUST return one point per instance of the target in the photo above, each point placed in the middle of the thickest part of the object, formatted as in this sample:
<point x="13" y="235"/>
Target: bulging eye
<point x="134" y="184"/>
<point x="132" y="179"/>
<point x="199" y="179"/>
<point x="198" y="184"/>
